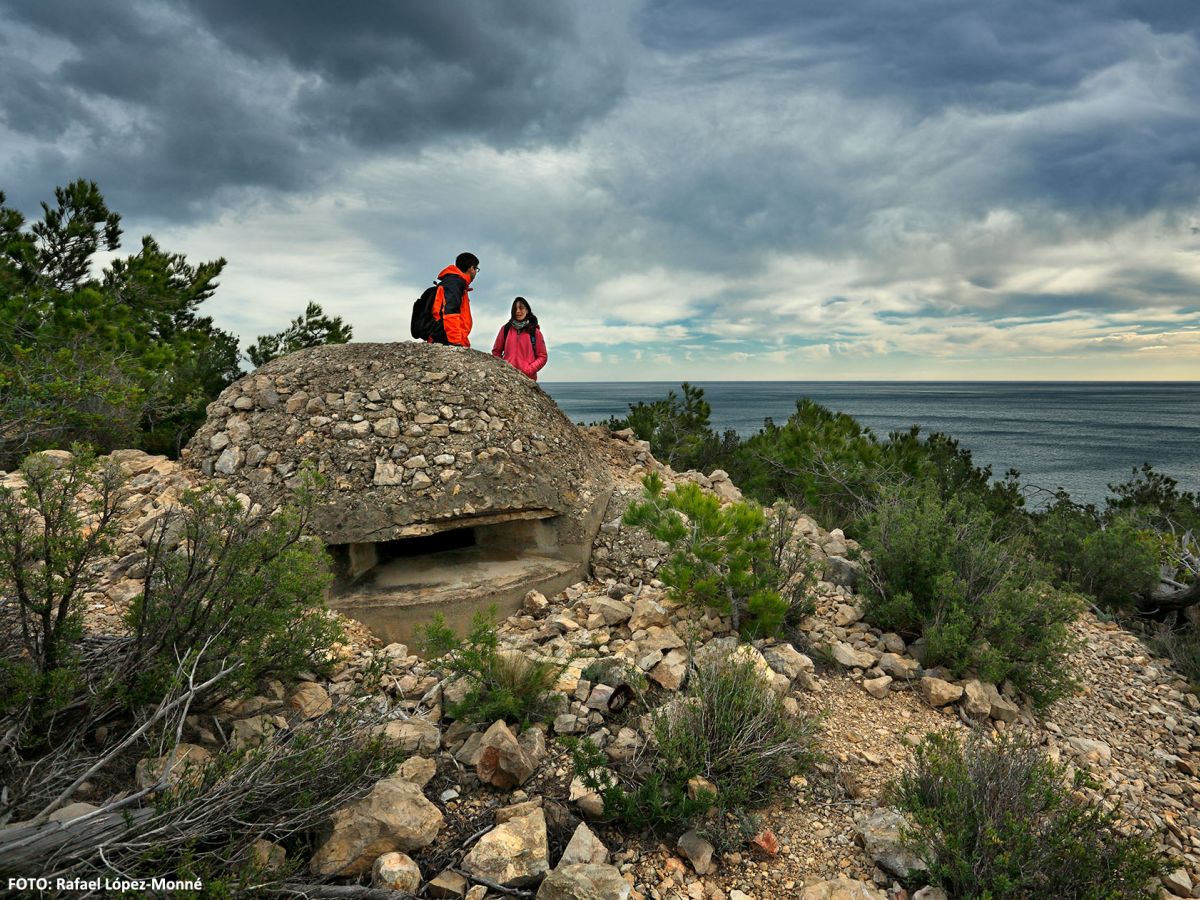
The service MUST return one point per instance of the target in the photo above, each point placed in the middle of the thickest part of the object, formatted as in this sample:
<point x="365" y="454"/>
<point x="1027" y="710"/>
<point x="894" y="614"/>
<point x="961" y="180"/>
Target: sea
<point x="1078" y="436"/>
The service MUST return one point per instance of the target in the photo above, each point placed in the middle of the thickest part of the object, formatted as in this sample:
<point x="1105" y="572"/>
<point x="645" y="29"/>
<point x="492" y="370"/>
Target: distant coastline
<point x="1078" y="435"/>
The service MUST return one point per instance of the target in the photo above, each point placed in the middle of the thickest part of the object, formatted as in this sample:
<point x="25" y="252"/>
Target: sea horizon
<point x="1079" y="435"/>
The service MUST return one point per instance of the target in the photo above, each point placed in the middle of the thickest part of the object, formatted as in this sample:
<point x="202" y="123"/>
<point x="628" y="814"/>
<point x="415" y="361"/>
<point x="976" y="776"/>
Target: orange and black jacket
<point x="452" y="308"/>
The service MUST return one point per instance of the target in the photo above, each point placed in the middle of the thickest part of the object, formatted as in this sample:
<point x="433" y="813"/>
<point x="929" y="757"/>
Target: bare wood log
<point x="24" y="849"/>
<point x="1170" y="601"/>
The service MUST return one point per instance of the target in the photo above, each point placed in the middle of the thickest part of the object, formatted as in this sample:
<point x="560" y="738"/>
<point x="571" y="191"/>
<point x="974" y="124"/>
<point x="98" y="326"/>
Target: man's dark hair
<point x="464" y="261"/>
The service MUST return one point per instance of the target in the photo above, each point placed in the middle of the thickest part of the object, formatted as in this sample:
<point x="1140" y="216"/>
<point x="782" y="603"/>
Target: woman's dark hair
<point x="512" y="313"/>
<point x="465" y="260"/>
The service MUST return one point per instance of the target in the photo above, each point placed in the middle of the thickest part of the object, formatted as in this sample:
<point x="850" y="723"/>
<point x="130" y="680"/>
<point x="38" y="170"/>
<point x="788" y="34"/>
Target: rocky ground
<point x="502" y="807"/>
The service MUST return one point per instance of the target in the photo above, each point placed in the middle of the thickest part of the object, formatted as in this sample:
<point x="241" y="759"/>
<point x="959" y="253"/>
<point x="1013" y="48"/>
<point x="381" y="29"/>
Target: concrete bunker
<point x="455" y="568"/>
<point x="451" y="482"/>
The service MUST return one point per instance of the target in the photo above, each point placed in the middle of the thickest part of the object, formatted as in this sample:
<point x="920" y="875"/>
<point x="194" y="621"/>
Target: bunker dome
<point x="451" y="481"/>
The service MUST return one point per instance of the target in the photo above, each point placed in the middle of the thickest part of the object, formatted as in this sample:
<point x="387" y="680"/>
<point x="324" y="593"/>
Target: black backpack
<point x="532" y="336"/>
<point x="423" y="323"/>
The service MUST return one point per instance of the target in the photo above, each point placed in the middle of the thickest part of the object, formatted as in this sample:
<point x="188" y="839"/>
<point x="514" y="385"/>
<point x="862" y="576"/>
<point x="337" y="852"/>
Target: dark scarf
<point x="523" y="323"/>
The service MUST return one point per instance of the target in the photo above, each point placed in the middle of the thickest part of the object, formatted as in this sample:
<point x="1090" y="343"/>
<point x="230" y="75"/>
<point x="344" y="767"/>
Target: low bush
<point x="247" y="586"/>
<point x="730" y="729"/>
<point x="678" y="431"/>
<point x="727" y="557"/>
<point x="505" y="685"/>
<point x="943" y="570"/>
<point x="1114" y="558"/>
<point x="995" y="820"/>
<point x="53" y="531"/>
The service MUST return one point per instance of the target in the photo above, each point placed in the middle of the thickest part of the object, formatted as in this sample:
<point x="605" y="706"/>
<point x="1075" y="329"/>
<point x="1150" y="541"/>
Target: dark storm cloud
<point x="167" y="104"/>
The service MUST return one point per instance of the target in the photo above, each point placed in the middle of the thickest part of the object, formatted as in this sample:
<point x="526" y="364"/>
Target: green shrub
<point x="941" y="569"/>
<point x="52" y="533"/>
<point x="729" y="728"/>
<point x="678" y="431"/>
<point x="240" y="586"/>
<point x="722" y="556"/>
<point x="505" y="685"/>
<point x="1111" y="557"/>
<point x="995" y="820"/>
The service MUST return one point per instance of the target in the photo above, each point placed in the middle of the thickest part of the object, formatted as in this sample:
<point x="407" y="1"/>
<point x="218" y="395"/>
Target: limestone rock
<point x="975" y="702"/>
<point x="417" y="769"/>
<point x="188" y="760"/>
<point x="787" y="660"/>
<point x="850" y="658"/>
<point x="648" y="612"/>
<point x="878" y="687"/>
<point x="396" y="872"/>
<point x="938" y="692"/>
<point x="841" y="889"/>
<point x="584" y="882"/>
<point x="79" y="808"/>
<point x="310" y="700"/>
<point x="447" y="885"/>
<point x="698" y="851"/>
<point x="584" y="847"/>
<point x="879" y="834"/>
<point x="671" y="671"/>
<point x="899" y="666"/>
<point x="514" y="854"/>
<point x="503" y="762"/>
<point x="394" y="816"/>
<point x="412" y="736"/>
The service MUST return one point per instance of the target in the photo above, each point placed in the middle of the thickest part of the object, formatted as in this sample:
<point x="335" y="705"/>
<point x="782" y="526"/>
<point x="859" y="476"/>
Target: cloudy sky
<point x="682" y="188"/>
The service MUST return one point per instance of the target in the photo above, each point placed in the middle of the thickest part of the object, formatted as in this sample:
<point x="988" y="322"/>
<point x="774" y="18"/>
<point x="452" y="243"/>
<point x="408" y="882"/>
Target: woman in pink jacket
<point x="520" y="340"/>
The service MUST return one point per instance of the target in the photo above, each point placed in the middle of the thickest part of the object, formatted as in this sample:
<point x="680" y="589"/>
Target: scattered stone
<point x="698" y="851"/>
<point x="447" y="885"/>
<point x="584" y="847"/>
<point x="412" y="736"/>
<point x="842" y="889"/>
<point x="394" y="816"/>
<point x="417" y="769"/>
<point x="503" y="762"/>
<point x="584" y="881"/>
<point x="396" y="872"/>
<point x="188" y="760"/>
<point x="514" y="854"/>
<point x="938" y="692"/>
<point x="850" y="658"/>
<point x="878" y="687"/>
<point x="310" y="700"/>
<point x="879" y="834"/>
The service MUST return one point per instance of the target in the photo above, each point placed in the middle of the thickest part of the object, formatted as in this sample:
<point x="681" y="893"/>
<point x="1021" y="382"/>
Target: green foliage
<point x="679" y="432"/>
<point x="943" y="569"/>
<point x="1158" y="498"/>
<point x="822" y="461"/>
<point x="235" y="585"/>
<point x="994" y="820"/>
<point x="312" y="329"/>
<point x="729" y="729"/>
<point x="52" y="532"/>
<point x="104" y="359"/>
<point x="719" y="556"/>
<point x="505" y="685"/>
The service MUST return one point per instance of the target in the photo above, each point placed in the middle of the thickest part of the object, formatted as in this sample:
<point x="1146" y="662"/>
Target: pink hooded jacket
<point x="517" y="349"/>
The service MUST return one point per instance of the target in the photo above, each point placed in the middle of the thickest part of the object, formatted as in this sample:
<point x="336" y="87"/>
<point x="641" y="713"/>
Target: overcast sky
<point x="834" y="189"/>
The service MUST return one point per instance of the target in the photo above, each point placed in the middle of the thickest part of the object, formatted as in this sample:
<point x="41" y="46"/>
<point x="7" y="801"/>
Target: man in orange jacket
<point x="451" y="306"/>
